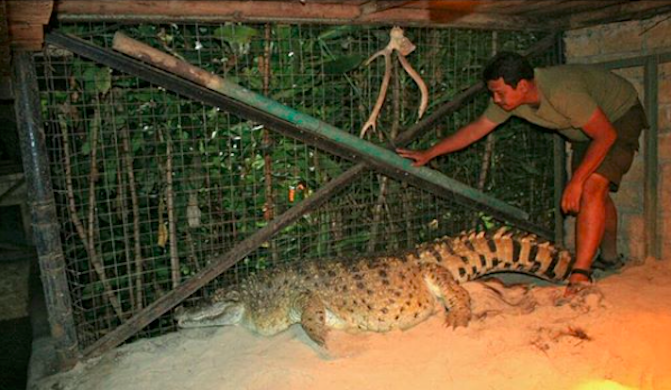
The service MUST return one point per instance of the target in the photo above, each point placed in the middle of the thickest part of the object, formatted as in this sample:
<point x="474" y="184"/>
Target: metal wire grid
<point x="138" y="226"/>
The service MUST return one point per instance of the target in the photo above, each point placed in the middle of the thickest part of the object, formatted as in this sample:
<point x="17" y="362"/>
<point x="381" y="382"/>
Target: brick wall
<point x="625" y="40"/>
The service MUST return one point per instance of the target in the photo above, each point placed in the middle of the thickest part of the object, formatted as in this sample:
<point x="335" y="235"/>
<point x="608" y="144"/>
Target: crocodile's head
<point x="213" y="314"/>
<point x="257" y="311"/>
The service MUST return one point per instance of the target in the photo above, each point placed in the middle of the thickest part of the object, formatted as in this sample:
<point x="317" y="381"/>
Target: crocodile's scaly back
<point x="470" y="255"/>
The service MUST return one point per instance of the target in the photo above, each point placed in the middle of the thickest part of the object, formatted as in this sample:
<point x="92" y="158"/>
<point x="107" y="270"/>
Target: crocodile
<point x="379" y="293"/>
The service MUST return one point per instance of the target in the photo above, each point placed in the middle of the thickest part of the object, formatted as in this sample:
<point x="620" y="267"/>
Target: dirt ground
<point x="620" y="339"/>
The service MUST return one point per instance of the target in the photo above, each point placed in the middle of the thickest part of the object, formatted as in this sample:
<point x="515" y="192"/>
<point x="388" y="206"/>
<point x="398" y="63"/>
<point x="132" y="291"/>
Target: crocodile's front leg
<point x="313" y="318"/>
<point x="454" y="297"/>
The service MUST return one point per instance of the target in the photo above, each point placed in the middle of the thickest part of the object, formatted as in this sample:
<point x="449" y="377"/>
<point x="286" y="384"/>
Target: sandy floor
<point x="621" y="340"/>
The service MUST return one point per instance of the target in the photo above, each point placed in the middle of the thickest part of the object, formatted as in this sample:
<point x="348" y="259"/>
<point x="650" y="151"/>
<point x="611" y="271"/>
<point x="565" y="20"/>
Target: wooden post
<point x="45" y="225"/>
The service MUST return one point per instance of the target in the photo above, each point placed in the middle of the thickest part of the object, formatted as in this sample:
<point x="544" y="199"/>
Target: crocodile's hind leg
<point x="313" y="318"/>
<point x="455" y="298"/>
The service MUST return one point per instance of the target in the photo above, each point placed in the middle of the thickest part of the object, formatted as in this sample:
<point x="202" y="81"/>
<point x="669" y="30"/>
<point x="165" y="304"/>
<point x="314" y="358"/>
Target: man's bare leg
<point x="609" y="241"/>
<point x="590" y="223"/>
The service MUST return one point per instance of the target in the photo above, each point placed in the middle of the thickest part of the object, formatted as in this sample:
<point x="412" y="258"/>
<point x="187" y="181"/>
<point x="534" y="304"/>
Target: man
<point x="600" y="114"/>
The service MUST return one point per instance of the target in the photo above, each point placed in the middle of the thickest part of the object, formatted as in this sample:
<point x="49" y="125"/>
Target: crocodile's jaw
<point x="217" y="314"/>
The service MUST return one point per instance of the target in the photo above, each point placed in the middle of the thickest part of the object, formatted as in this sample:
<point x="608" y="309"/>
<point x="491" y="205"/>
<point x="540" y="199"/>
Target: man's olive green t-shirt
<point x="569" y="95"/>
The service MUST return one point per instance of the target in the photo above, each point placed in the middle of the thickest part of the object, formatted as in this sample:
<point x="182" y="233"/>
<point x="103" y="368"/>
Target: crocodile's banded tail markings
<point x="470" y="255"/>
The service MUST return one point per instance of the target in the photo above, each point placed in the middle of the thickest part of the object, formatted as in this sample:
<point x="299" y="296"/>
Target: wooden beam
<point x="373" y="6"/>
<point x="199" y="10"/>
<point x="621" y="12"/>
<point x="457" y="15"/>
<point x="438" y="17"/>
<point x="29" y="37"/>
<point x="29" y="11"/>
<point x="570" y="7"/>
<point x="26" y="20"/>
<point x="505" y="6"/>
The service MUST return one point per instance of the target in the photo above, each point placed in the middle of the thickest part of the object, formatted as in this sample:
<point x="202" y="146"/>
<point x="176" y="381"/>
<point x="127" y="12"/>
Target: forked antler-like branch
<point x="403" y="47"/>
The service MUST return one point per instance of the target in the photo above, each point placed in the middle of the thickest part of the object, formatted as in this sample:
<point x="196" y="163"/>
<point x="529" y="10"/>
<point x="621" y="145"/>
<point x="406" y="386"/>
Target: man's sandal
<point x="575" y="287"/>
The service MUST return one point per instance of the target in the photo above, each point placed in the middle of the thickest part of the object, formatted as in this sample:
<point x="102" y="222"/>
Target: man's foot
<point x="579" y="288"/>
<point x="578" y="281"/>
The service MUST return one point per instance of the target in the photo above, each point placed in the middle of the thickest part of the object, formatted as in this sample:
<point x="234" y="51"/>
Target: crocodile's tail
<point x="470" y="255"/>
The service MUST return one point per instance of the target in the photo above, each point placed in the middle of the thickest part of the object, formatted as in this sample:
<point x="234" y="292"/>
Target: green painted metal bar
<point x="385" y="156"/>
<point x="380" y="156"/>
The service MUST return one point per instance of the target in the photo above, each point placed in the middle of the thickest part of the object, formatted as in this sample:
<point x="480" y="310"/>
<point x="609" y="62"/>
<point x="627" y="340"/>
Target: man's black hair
<point x="511" y="66"/>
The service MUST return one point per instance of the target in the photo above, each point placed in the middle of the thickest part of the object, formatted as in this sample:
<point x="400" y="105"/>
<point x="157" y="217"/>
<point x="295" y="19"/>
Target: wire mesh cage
<point x="151" y="187"/>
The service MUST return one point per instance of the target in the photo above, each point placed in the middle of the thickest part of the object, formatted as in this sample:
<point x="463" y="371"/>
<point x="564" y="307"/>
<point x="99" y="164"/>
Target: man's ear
<point x="523" y="85"/>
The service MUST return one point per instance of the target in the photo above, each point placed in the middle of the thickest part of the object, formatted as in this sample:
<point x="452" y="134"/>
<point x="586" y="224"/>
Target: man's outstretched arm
<point x="457" y="141"/>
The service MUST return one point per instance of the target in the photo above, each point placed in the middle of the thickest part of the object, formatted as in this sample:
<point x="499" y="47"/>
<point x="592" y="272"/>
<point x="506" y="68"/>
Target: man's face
<point x="504" y="95"/>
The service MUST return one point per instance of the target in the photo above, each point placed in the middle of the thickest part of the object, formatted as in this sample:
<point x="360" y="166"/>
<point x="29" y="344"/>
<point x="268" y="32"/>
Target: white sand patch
<point x="622" y="341"/>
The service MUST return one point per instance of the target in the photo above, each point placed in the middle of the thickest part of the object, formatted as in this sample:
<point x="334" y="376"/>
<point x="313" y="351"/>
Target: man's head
<point x="509" y="78"/>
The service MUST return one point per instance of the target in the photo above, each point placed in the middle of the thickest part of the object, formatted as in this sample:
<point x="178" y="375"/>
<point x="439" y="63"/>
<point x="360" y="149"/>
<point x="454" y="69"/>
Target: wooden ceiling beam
<point x="283" y="11"/>
<point x="630" y="10"/>
<point x="200" y="10"/>
<point x="505" y="6"/>
<point x="539" y="15"/>
<point x="454" y="18"/>
<point x="374" y="6"/>
<point x="562" y="8"/>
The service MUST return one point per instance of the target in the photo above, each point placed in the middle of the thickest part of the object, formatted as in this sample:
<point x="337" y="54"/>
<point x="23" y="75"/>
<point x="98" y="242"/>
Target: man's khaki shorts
<point x="621" y="155"/>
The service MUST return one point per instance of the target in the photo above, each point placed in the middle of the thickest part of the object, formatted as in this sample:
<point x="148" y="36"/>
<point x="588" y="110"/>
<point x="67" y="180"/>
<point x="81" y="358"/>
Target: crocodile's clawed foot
<point x="319" y="339"/>
<point x="457" y="318"/>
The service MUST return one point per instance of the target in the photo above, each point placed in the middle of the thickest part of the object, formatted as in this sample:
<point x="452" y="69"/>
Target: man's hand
<point x="420" y="157"/>
<point x="603" y="136"/>
<point x="570" y="200"/>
